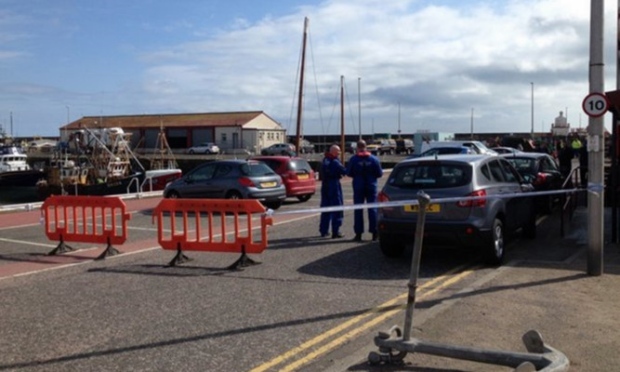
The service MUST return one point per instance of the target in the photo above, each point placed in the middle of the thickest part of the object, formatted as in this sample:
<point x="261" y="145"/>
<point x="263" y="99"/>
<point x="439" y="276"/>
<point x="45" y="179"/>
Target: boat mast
<point x="301" y="86"/>
<point x="342" y="118"/>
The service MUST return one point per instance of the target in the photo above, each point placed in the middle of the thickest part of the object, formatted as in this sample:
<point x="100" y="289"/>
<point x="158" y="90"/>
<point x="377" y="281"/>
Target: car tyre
<point x="233" y="195"/>
<point x="273" y="205"/>
<point x="495" y="249"/>
<point x="529" y="230"/>
<point x="172" y="195"/>
<point x="191" y="152"/>
<point x="304" y="198"/>
<point x="390" y="246"/>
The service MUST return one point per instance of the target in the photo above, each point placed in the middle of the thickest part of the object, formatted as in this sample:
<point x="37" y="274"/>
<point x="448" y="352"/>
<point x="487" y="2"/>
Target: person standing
<point x="332" y="171"/>
<point x="364" y="168"/>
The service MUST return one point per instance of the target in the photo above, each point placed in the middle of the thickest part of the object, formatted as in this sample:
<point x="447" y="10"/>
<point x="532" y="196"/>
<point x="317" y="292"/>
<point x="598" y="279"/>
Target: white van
<point x="477" y="146"/>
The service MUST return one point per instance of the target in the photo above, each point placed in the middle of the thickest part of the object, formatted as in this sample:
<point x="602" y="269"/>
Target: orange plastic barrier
<point x="211" y="225"/>
<point x="85" y="219"/>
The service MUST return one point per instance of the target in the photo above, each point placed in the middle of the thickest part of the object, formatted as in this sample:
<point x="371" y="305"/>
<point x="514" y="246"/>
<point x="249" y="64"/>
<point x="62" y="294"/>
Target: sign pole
<point x="596" y="144"/>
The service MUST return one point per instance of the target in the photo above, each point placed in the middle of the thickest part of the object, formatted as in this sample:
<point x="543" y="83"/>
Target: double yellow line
<point x="429" y="288"/>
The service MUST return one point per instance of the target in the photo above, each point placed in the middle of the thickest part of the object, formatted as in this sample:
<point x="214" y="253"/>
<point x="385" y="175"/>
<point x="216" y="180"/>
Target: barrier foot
<point x="243" y="261"/>
<point x="540" y="356"/>
<point x="179" y="258"/>
<point x="109" y="251"/>
<point x="61" y="248"/>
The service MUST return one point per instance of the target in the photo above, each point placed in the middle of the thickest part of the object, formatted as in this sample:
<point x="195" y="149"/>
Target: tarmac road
<point x="313" y="304"/>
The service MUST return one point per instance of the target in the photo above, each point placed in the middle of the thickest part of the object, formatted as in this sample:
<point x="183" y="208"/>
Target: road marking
<point x="25" y="242"/>
<point x="353" y="321"/>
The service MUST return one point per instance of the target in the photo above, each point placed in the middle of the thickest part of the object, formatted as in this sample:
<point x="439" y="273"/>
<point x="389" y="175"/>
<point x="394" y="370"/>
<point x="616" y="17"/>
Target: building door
<point x="235" y="140"/>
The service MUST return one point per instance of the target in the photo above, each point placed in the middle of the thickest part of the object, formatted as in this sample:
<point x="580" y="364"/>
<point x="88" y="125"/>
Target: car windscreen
<point x="431" y="175"/>
<point x="523" y="165"/>
<point x="299" y="165"/>
<point x="256" y="169"/>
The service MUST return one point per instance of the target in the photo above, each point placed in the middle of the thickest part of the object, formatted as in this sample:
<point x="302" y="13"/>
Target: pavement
<point x="544" y="287"/>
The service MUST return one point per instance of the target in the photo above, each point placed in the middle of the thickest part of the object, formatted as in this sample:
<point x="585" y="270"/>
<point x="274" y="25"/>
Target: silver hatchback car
<point x="482" y="223"/>
<point x="230" y="179"/>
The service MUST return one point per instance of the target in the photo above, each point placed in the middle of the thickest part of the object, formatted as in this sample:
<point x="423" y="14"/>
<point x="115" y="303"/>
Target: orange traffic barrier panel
<point x="85" y="219"/>
<point x="212" y="225"/>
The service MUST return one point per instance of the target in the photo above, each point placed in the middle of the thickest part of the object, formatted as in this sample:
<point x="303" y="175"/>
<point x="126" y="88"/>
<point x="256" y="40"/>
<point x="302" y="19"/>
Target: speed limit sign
<point x="595" y="104"/>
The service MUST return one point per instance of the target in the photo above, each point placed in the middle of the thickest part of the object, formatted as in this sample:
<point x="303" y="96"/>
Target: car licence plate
<point x="268" y="184"/>
<point x="303" y="176"/>
<point x="430" y="208"/>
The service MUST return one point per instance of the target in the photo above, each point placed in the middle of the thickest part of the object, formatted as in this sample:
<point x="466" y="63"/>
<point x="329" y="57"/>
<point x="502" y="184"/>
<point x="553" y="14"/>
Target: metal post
<point x="596" y="144"/>
<point x="423" y="200"/>
<point x="614" y="144"/>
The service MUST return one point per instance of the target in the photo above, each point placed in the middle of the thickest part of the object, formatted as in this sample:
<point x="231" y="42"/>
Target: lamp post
<point x="359" y="106"/>
<point x="472" y="124"/>
<point x="532" y="108"/>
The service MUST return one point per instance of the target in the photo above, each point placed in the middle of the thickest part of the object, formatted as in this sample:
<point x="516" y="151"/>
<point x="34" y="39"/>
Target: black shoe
<point x="337" y="236"/>
<point x="324" y="235"/>
<point x="358" y="238"/>
<point x="375" y="237"/>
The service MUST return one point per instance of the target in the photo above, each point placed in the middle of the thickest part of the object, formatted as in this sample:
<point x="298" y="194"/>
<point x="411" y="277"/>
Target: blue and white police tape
<point x="593" y="188"/>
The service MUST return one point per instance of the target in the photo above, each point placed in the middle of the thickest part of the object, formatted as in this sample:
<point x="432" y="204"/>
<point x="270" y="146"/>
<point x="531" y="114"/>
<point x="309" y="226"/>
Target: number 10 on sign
<point x="595" y="104"/>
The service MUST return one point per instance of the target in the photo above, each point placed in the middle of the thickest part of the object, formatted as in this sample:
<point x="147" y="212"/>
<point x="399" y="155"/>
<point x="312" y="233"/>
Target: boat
<point x="15" y="170"/>
<point x="93" y="163"/>
<point x="164" y="167"/>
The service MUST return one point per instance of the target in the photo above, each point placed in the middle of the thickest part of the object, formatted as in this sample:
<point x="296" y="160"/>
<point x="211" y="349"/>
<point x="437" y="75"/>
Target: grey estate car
<point x="230" y="179"/>
<point x="479" y="223"/>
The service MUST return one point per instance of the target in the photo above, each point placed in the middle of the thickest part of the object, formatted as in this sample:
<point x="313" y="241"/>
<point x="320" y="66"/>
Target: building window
<point x="223" y="137"/>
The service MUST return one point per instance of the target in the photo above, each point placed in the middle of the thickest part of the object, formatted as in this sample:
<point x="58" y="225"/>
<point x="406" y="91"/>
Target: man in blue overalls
<point x="365" y="169"/>
<point x="332" y="171"/>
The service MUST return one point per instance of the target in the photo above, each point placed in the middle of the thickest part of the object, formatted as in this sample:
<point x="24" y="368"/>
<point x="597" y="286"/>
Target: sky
<point x="408" y="65"/>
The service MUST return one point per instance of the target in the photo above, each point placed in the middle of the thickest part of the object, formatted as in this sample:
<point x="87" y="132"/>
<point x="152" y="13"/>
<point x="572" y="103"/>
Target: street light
<point x="532" y="108"/>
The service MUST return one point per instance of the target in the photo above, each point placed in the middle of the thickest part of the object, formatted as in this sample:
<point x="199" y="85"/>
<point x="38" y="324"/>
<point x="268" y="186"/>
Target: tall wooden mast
<point x="342" y="119"/>
<point x="301" y="86"/>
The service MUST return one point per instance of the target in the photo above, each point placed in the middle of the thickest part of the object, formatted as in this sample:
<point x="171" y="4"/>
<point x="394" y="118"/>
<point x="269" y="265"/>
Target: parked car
<point x="279" y="149"/>
<point x="477" y="146"/>
<point x="382" y="146"/>
<point x="482" y="223"/>
<point x="306" y="147"/>
<point x="404" y="146"/>
<point x="542" y="172"/>
<point x="297" y="175"/>
<point x="230" y="179"/>
<point x="450" y="150"/>
<point x="506" y="150"/>
<point x="204" y="148"/>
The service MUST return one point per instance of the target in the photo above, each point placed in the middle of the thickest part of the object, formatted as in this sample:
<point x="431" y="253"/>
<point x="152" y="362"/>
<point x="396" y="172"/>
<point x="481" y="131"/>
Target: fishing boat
<point x="15" y="170"/>
<point x="93" y="163"/>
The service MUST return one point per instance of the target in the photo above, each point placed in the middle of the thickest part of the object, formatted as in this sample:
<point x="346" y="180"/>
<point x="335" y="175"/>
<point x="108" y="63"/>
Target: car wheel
<point x="264" y="152"/>
<point x="495" y="250"/>
<point x="304" y="198"/>
<point x="173" y="195"/>
<point x="207" y="152"/>
<point x="390" y="246"/>
<point x="233" y="195"/>
<point x="273" y="205"/>
<point x="191" y="152"/>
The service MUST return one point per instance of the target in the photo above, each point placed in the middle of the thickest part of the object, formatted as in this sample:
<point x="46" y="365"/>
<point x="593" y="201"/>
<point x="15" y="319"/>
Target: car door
<point x="518" y="207"/>
<point x="197" y="182"/>
<point x="549" y="167"/>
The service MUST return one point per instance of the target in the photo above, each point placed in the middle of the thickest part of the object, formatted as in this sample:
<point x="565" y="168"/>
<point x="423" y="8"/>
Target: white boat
<point x="14" y="168"/>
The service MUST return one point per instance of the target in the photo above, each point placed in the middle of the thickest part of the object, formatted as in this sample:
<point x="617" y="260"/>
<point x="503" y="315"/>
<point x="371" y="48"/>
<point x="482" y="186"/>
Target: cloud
<point x="435" y="60"/>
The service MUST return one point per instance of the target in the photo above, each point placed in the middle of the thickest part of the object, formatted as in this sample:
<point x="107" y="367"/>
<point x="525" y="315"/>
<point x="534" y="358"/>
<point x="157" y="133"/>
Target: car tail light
<point x="244" y="181"/>
<point x="540" y="179"/>
<point x="474" y="203"/>
<point x="382" y="197"/>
